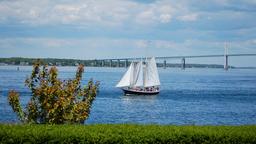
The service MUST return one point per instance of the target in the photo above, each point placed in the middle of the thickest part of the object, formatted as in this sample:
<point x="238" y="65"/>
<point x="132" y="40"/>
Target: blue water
<point x="190" y="97"/>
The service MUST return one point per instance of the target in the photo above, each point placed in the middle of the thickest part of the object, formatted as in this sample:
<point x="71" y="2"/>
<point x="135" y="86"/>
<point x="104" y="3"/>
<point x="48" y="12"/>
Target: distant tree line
<point x="49" y="61"/>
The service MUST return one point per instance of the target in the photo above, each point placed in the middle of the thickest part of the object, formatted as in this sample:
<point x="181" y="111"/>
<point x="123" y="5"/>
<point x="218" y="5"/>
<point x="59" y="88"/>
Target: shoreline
<point x="251" y="68"/>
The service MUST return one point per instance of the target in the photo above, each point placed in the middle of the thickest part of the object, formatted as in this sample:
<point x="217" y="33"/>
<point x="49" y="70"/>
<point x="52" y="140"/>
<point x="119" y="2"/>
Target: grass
<point x="126" y="133"/>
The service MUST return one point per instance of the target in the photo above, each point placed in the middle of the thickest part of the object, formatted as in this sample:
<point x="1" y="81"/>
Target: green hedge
<point x="126" y="133"/>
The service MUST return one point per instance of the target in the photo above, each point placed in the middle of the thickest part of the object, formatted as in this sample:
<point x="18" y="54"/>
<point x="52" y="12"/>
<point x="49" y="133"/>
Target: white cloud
<point x="165" y="18"/>
<point x="145" y="17"/>
<point x="106" y="12"/>
<point x="222" y="2"/>
<point x="253" y="41"/>
<point x="142" y="43"/>
<point x="113" y="12"/>
<point x="189" y="17"/>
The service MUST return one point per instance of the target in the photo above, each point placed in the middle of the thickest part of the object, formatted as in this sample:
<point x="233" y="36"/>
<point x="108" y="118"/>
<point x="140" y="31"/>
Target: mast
<point x="145" y="73"/>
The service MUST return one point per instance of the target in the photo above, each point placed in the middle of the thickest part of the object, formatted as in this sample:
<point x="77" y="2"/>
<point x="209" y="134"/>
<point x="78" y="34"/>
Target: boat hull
<point x="133" y="92"/>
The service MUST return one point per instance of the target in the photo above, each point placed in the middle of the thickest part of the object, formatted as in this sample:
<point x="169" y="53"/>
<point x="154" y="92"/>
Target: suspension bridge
<point x="118" y="61"/>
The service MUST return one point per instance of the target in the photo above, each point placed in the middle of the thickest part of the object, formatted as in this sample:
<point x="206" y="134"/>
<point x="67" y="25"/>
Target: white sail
<point x="151" y="74"/>
<point x="127" y="78"/>
<point x="135" y="74"/>
<point x="139" y="76"/>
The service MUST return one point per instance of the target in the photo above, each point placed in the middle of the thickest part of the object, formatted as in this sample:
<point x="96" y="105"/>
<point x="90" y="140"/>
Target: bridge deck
<point x="179" y="57"/>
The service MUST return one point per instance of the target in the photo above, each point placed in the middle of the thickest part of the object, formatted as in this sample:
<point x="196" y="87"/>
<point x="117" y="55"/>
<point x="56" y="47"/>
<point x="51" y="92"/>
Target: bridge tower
<point x="226" y="57"/>
<point x="118" y="63"/>
<point x="126" y="63"/>
<point x="164" y="64"/>
<point x="110" y="63"/>
<point x="183" y="63"/>
<point x="103" y="63"/>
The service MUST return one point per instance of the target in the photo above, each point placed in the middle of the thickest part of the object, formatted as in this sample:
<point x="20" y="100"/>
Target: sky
<point x="94" y="29"/>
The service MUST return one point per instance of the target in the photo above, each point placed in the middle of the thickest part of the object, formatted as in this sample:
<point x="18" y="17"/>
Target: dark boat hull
<point x="133" y="92"/>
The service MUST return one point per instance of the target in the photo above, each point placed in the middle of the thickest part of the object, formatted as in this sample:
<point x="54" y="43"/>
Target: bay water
<point x="188" y="97"/>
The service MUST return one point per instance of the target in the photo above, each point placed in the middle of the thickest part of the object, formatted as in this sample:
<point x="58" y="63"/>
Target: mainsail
<point x="139" y="78"/>
<point x="135" y="73"/>
<point x="151" y="74"/>
<point x="140" y="75"/>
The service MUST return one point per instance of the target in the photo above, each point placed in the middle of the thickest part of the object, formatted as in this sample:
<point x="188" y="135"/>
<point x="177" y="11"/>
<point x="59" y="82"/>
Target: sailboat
<point x="141" y="78"/>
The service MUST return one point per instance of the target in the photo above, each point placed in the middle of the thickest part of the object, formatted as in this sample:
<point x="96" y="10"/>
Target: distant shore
<point x="18" y="61"/>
